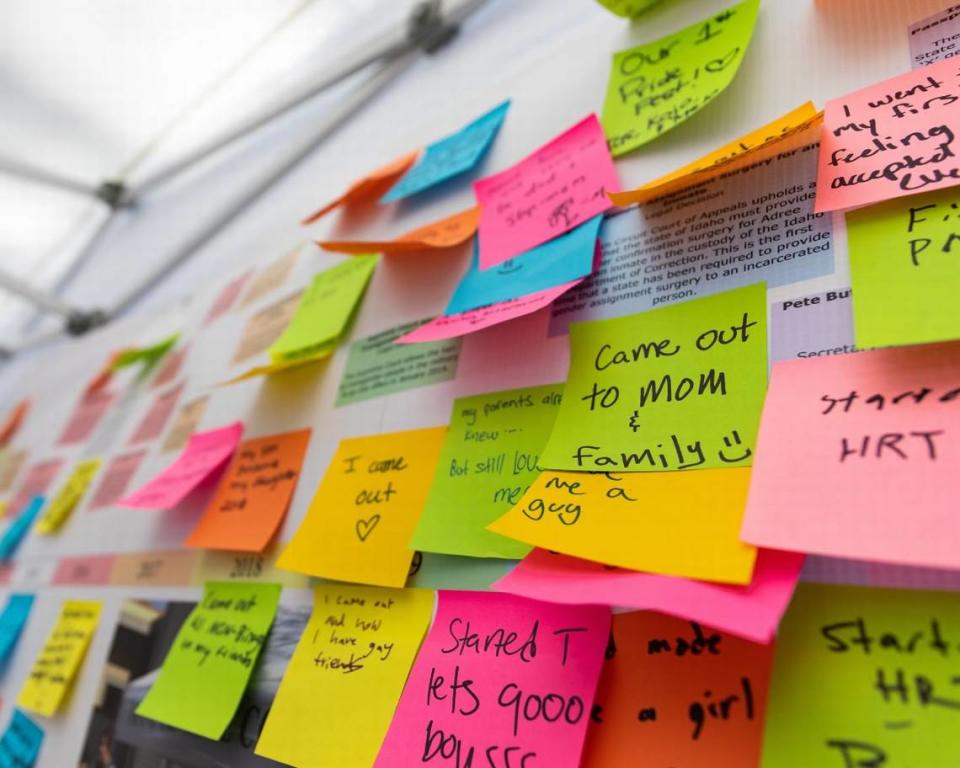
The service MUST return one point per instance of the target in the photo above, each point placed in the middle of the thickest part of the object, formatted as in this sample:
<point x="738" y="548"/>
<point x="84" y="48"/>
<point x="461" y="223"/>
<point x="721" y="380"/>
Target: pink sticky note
<point x="450" y="326"/>
<point x="550" y="192"/>
<point x="752" y="612"/>
<point x="500" y="681"/>
<point x="891" y="139"/>
<point x="857" y="456"/>
<point x="204" y="453"/>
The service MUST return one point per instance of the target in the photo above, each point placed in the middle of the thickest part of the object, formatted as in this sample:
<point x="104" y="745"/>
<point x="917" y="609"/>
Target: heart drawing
<point x="365" y="527"/>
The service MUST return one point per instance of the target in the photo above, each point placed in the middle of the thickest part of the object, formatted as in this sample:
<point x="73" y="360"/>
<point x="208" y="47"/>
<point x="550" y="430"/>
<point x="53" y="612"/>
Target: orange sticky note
<point x="14" y="419"/>
<point x="746" y="148"/>
<point x="254" y="494"/>
<point x="676" y="693"/>
<point x="444" y="233"/>
<point x="371" y="186"/>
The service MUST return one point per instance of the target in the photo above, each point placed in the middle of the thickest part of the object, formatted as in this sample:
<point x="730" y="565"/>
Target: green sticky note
<point x="377" y="367"/>
<point x="629" y="9"/>
<point x="324" y="310"/>
<point x="656" y="86"/>
<point x="433" y="571"/>
<point x="147" y="356"/>
<point x="680" y="387"/>
<point x="865" y="678"/>
<point x="207" y="668"/>
<point x="905" y="269"/>
<point x="488" y="460"/>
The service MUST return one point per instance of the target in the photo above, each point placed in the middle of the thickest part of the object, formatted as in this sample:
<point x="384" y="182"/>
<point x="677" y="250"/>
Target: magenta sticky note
<point x="752" y="612"/>
<point x="500" y="681"/>
<point x="204" y="453"/>
<point x="557" y="188"/>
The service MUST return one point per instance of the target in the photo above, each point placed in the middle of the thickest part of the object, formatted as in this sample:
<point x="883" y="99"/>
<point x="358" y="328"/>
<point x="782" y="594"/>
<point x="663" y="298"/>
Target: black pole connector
<point x="428" y="29"/>
<point x="82" y="321"/>
<point x="114" y="194"/>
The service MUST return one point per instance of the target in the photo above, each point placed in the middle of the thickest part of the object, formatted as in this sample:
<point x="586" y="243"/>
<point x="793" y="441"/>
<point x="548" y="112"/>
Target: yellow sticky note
<point x="357" y="649"/>
<point x="360" y="522"/>
<point x="58" y="661"/>
<point x="69" y="495"/>
<point x="674" y="523"/>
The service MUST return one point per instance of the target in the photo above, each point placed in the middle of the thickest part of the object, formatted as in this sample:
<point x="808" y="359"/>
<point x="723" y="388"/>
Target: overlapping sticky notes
<point x="370" y="187"/>
<point x="561" y="260"/>
<point x="61" y="656"/>
<point x="890" y="139"/>
<point x="359" y="524"/>
<point x="212" y="657"/>
<point x="12" y="620"/>
<point x="864" y="678"/>
<point x="324" y="310"/>
<point x="21" y="742"/>
<point x="856" y="454"/>
<point x="450" y="156"/>
<point x="679" y="694"/>
<point x="502" y="679"/>
<point x="672" y="523"/>
<point x="490" y="457"/>
<point x="743" y="150"/>
<point x="204" y="454"/>
<point x="146" y="356"/>
<point x="17" y="530"/>
<point x="36" y="481"/>
<point x="445" y="233"/>
<point x="14" y="421"/>
<point x="656" y="86"/>
<point x="752" y="611"/>
<point x="253" y="495"/>
<point x="629" y="9"/>
<point x="452" y="326"/>
<point x="673" y="388"/>
<point x="357" y="649"/>
<point x="66" y="499"/>
<point x="905" y="270"/>
<point x="553" y="190"/>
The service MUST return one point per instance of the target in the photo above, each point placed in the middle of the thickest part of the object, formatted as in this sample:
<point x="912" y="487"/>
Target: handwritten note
<point x="61" y="656"/>
<point x="12" y="620"/>
<point x="205" y="453"/>
<point x="17" y="530"/>
<point x="490" y="457"/>
<point x="445" y="233"/>
<point x="500" y="680"/>
<point x="673" y="388"/>
<point x="864" y="678"/>
<point x="656" y="86"/>
<point x="557" y="188"/>
<point x="890" y="139"/>
<point x="451" y="156"/>
<point x="324" y="310"/>
<point x="253" y="495"/>
<point x="629" y="9"/>
<point x="680" y="694"/>
<point x="561" y="260"/>
<point x="675" y="524"/>
<point x="359" y="524"/>
<point x="21" y="742"/>
<point x="752" y="611"/>
<point x="207" y="669"/>
<point x="357" y="649"/>
<point x="854" y="454"/>
<point x="70" y="494"/>
<point x="905" y="270"/>
<point x="370" y="187"/>
<point x="116" y="479"/>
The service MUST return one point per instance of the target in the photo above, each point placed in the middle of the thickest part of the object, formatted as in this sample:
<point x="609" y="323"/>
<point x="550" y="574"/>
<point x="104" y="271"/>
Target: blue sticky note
<point x="565" y="258"/>
<point x="12" y="619"/>
<point x="17" y="530"/>
<point x="20" y="743"/>
<point x="451" y="156"/>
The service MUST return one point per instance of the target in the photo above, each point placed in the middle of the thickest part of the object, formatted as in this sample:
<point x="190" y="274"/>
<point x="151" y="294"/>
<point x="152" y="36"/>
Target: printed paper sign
<point x="500" y="680"/>
<point x="358" y="649"/>
<point x="21" y="742"/>
<point x="444" y="233"/>
<point x="359" y="524"/>
<point x="935" y="38"/>
<point x="213" y="655"/>
<point x="854" y="455"/>
<point x="674" y="388"/>
<point x="656" y="86"/>
<point x="62" y="505"/>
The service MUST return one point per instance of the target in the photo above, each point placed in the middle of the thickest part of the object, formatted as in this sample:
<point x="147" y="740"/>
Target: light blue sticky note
<point x="20" y="743"/>
<point x="451" y="156"/>
<point x="565" y="258"/>
<point x="12" y="619"/>
<point x="17" y="530"/>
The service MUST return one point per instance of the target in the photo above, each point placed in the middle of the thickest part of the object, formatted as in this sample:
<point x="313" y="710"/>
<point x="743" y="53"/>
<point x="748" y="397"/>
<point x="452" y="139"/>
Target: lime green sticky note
<point x="674" y="388"/>
<point x="656" y="86"/>
<point x="489" y="458"/>
<point x="629" y="9"/>
<point x="209" y="664"/>
<point x="865" y="678"/>
<point x="147" y="356"/>
<point x="905" y="269"/>
<point x="324" y="310"/>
